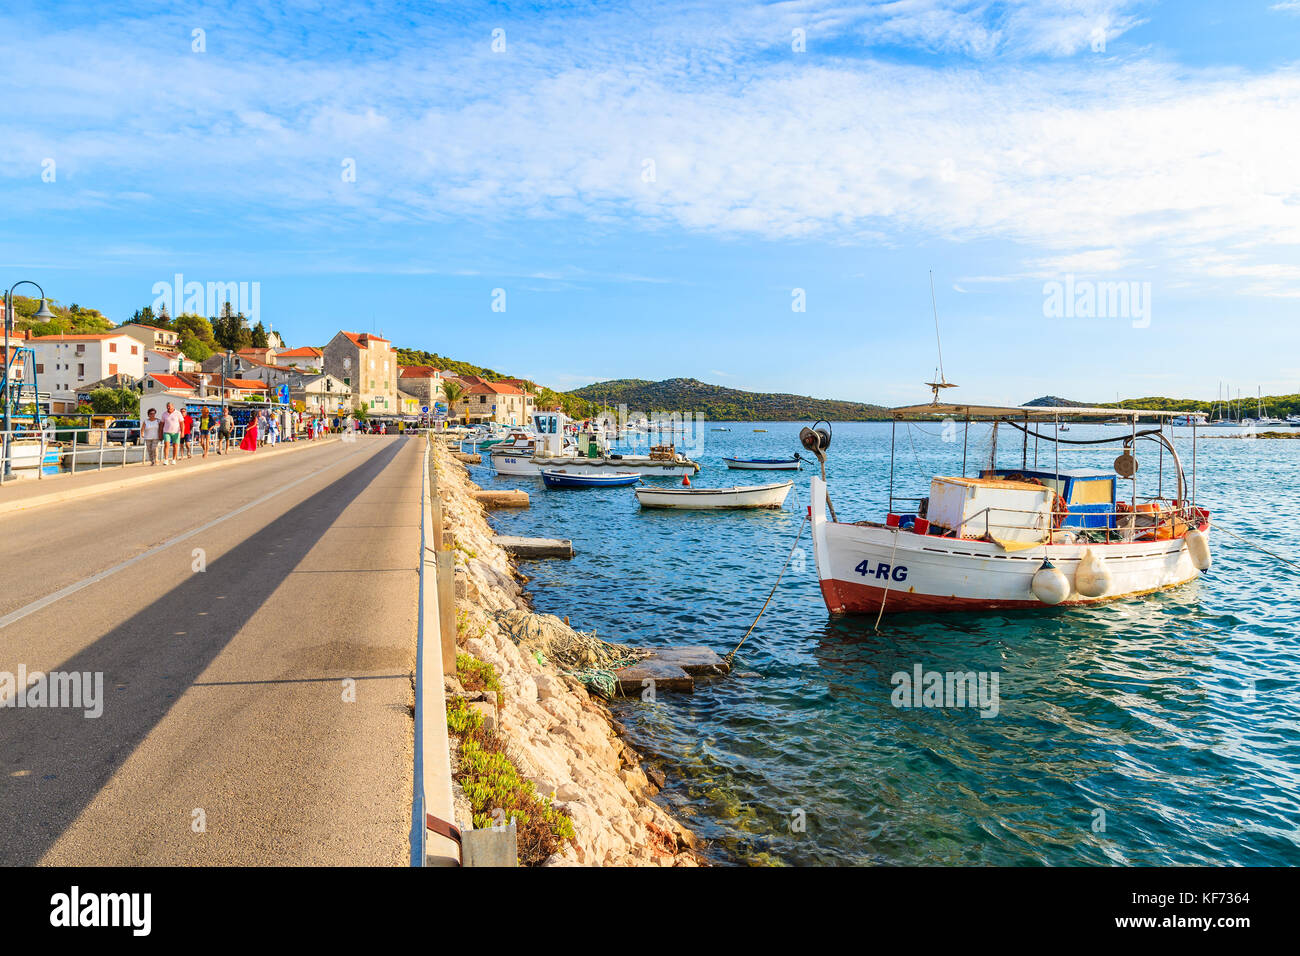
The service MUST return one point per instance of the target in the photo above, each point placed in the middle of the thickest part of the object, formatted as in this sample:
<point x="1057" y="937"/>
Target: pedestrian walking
<point x="250" y="436"/>
<point x="188" y="437"/>
<point x="226" y="432"/>
<point x="173" y="423"/>
<point x="205" y="429"/>
<point x="151" y="434"/>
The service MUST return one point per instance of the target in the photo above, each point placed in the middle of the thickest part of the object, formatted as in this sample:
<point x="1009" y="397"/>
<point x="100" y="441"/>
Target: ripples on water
<point x="1175" y="714"/>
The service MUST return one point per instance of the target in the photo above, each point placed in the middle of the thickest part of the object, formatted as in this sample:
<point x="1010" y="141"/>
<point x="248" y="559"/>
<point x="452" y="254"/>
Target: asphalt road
<point x="255" y="712"/>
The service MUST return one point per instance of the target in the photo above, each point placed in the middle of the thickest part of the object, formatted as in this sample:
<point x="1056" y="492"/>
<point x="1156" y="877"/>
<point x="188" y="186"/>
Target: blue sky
<point x="651" y="182"/>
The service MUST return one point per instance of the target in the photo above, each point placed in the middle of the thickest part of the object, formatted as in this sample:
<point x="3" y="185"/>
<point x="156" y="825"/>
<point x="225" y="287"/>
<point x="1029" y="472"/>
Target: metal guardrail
<point x="435" y="841"/>
<point x="81" y="453"/>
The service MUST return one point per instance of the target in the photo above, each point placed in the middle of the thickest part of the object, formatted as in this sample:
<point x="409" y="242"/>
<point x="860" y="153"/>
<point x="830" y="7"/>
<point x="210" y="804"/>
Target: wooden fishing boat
<point x="563" y="478"/>
<point x="793" y="463"/>
<point x="1026" y="536"/>
<point x="711" y="499"/>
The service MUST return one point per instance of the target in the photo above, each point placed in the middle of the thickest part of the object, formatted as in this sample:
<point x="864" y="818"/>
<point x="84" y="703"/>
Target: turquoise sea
<point x="1164" y="730"/>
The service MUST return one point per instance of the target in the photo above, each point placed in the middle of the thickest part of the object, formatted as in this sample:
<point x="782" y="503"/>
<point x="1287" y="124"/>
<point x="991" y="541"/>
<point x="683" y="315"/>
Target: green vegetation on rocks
<point x="497" y="793"/>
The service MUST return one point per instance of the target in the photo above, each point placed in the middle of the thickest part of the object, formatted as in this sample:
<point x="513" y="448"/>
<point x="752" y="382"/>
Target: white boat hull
<point x="710" y="499"/>
<point x="511" y="464"/>
<point x="863" y="566"/>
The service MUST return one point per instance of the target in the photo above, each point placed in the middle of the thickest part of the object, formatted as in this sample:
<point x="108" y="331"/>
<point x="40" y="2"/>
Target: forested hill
<point x="721" y="404"/>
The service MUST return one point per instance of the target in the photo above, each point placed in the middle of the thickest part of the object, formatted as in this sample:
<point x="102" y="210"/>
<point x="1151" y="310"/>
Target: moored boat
<point x="792" y="463"/>
<point x="564" y="478"/>
<point x="1020" y="537"/>
<point x="710" y="499"/>
<point x="554" y="450"/>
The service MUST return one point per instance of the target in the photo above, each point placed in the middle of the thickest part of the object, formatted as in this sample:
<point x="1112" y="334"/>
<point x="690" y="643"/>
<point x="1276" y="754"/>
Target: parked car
<point x="125" y="431"/>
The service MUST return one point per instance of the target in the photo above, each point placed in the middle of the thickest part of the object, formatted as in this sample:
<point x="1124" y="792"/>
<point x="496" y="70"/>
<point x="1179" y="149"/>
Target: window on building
<point x="40" y="368"/>
<point x="81" y="370"/>
<point x="112" y="346"/>
<point x="135" y="350"/>
<point x="112" y="369"/>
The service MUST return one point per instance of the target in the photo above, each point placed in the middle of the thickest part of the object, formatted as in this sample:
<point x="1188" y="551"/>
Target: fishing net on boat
<point x="581" y="655"/>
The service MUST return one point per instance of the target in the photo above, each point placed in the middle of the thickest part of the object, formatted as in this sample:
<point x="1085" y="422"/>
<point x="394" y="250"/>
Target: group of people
<point x="177" y="431"/>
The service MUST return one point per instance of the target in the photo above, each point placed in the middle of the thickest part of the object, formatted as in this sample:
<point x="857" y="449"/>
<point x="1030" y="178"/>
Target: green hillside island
<point x="719" y="404"/>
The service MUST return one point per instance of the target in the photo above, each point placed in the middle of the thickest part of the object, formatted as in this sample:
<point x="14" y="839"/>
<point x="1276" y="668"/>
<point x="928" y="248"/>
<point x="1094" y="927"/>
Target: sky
<point x="1107" y="193"/>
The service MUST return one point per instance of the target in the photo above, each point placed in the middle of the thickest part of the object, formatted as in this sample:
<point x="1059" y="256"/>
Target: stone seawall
<point x="557" y="734"/>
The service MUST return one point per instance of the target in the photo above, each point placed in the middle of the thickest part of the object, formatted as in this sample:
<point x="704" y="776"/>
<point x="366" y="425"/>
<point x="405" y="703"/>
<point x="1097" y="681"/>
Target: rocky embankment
<point x="556" y="734"/>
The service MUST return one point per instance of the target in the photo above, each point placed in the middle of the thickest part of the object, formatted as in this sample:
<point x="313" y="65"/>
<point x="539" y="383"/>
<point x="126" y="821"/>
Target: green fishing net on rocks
<point x="579" y="654"/>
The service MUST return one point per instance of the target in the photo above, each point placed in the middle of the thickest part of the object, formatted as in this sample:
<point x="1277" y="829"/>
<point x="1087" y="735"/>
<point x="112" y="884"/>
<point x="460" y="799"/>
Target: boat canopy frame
<point x="1020" y="416"/>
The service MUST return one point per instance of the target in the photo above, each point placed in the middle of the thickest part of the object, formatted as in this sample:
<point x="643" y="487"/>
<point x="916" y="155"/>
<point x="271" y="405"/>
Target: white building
<point x="150" y="336"/>
<point x="166" y="362"/>
<point x="66" y="363"/>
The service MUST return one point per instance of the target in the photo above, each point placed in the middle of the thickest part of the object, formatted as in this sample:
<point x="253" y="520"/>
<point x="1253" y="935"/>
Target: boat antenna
<point x="940" y="382"/>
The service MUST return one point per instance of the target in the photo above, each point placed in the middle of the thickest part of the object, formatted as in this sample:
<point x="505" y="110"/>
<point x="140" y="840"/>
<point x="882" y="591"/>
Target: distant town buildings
<point x="355" y="370"/>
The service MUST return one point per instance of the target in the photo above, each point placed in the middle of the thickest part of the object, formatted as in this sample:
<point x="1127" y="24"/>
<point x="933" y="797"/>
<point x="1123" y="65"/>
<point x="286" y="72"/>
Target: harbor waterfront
<point x="1158" y="730"/>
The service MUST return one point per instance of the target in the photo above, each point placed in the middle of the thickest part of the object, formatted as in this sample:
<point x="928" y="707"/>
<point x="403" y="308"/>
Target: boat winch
<point x="1092" y="578"/>
<point x="1050" y="585"/>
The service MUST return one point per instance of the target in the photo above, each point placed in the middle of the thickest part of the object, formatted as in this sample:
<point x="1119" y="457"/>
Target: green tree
<point x="260" y="340"/>
<point x="115" y="401"/>
<point x="144" y="316"/>
<point x="453" y="391"/>
<point x="195" y="349"/>
<point x="196" y="326"/>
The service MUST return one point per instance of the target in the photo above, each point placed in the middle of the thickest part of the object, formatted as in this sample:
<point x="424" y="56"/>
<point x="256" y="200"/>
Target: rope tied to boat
<point x="893" y="552"/>
<point x="1272" y="554"/>
<point x="794" y="547"/>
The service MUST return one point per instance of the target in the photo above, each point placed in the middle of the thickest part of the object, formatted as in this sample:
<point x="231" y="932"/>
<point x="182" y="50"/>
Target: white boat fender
<point x="1049" y="585"/>
<point x="1092" y="578"/>
<point x="1198" y="548"/>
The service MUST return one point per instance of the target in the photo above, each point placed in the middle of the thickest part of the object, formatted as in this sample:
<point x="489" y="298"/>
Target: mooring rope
<point x="892" y="553"/>
<point x="1218" y="527"/>
<point x="730" y="657"/>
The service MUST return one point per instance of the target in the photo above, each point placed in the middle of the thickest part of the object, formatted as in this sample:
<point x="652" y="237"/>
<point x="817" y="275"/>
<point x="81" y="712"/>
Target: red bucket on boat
<point x="891" y="521"/>
<point x="922" y="526"/>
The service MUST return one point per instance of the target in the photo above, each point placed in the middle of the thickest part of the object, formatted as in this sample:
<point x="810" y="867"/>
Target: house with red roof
<point x="422" y="382"/>
<point x="304" y="357"/>
<point x="500" y="402"/>
<point x="367" y="364"/>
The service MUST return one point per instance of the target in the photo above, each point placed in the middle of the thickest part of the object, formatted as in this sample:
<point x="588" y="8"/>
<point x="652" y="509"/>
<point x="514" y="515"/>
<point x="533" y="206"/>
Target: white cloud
<point x="1098" y="165"/>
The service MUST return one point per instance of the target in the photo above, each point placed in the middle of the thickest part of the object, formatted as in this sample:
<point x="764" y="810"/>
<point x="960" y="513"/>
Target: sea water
<point x="1161" y="730"/>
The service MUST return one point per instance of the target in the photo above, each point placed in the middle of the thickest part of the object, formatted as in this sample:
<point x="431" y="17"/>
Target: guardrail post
<point x="490" y="846"/>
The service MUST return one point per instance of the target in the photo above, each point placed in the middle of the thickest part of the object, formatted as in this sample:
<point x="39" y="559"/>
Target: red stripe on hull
<point x="850" y="597"/>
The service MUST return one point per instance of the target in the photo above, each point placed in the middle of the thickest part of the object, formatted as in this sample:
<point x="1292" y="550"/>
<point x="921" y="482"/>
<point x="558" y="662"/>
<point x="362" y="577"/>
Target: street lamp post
<point x="224" y="362"/>
<point x="42" y="313"/>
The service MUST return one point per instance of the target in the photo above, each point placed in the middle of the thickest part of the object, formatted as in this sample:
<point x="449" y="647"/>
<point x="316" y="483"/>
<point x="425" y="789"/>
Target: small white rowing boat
<point x="709" y="499"/>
